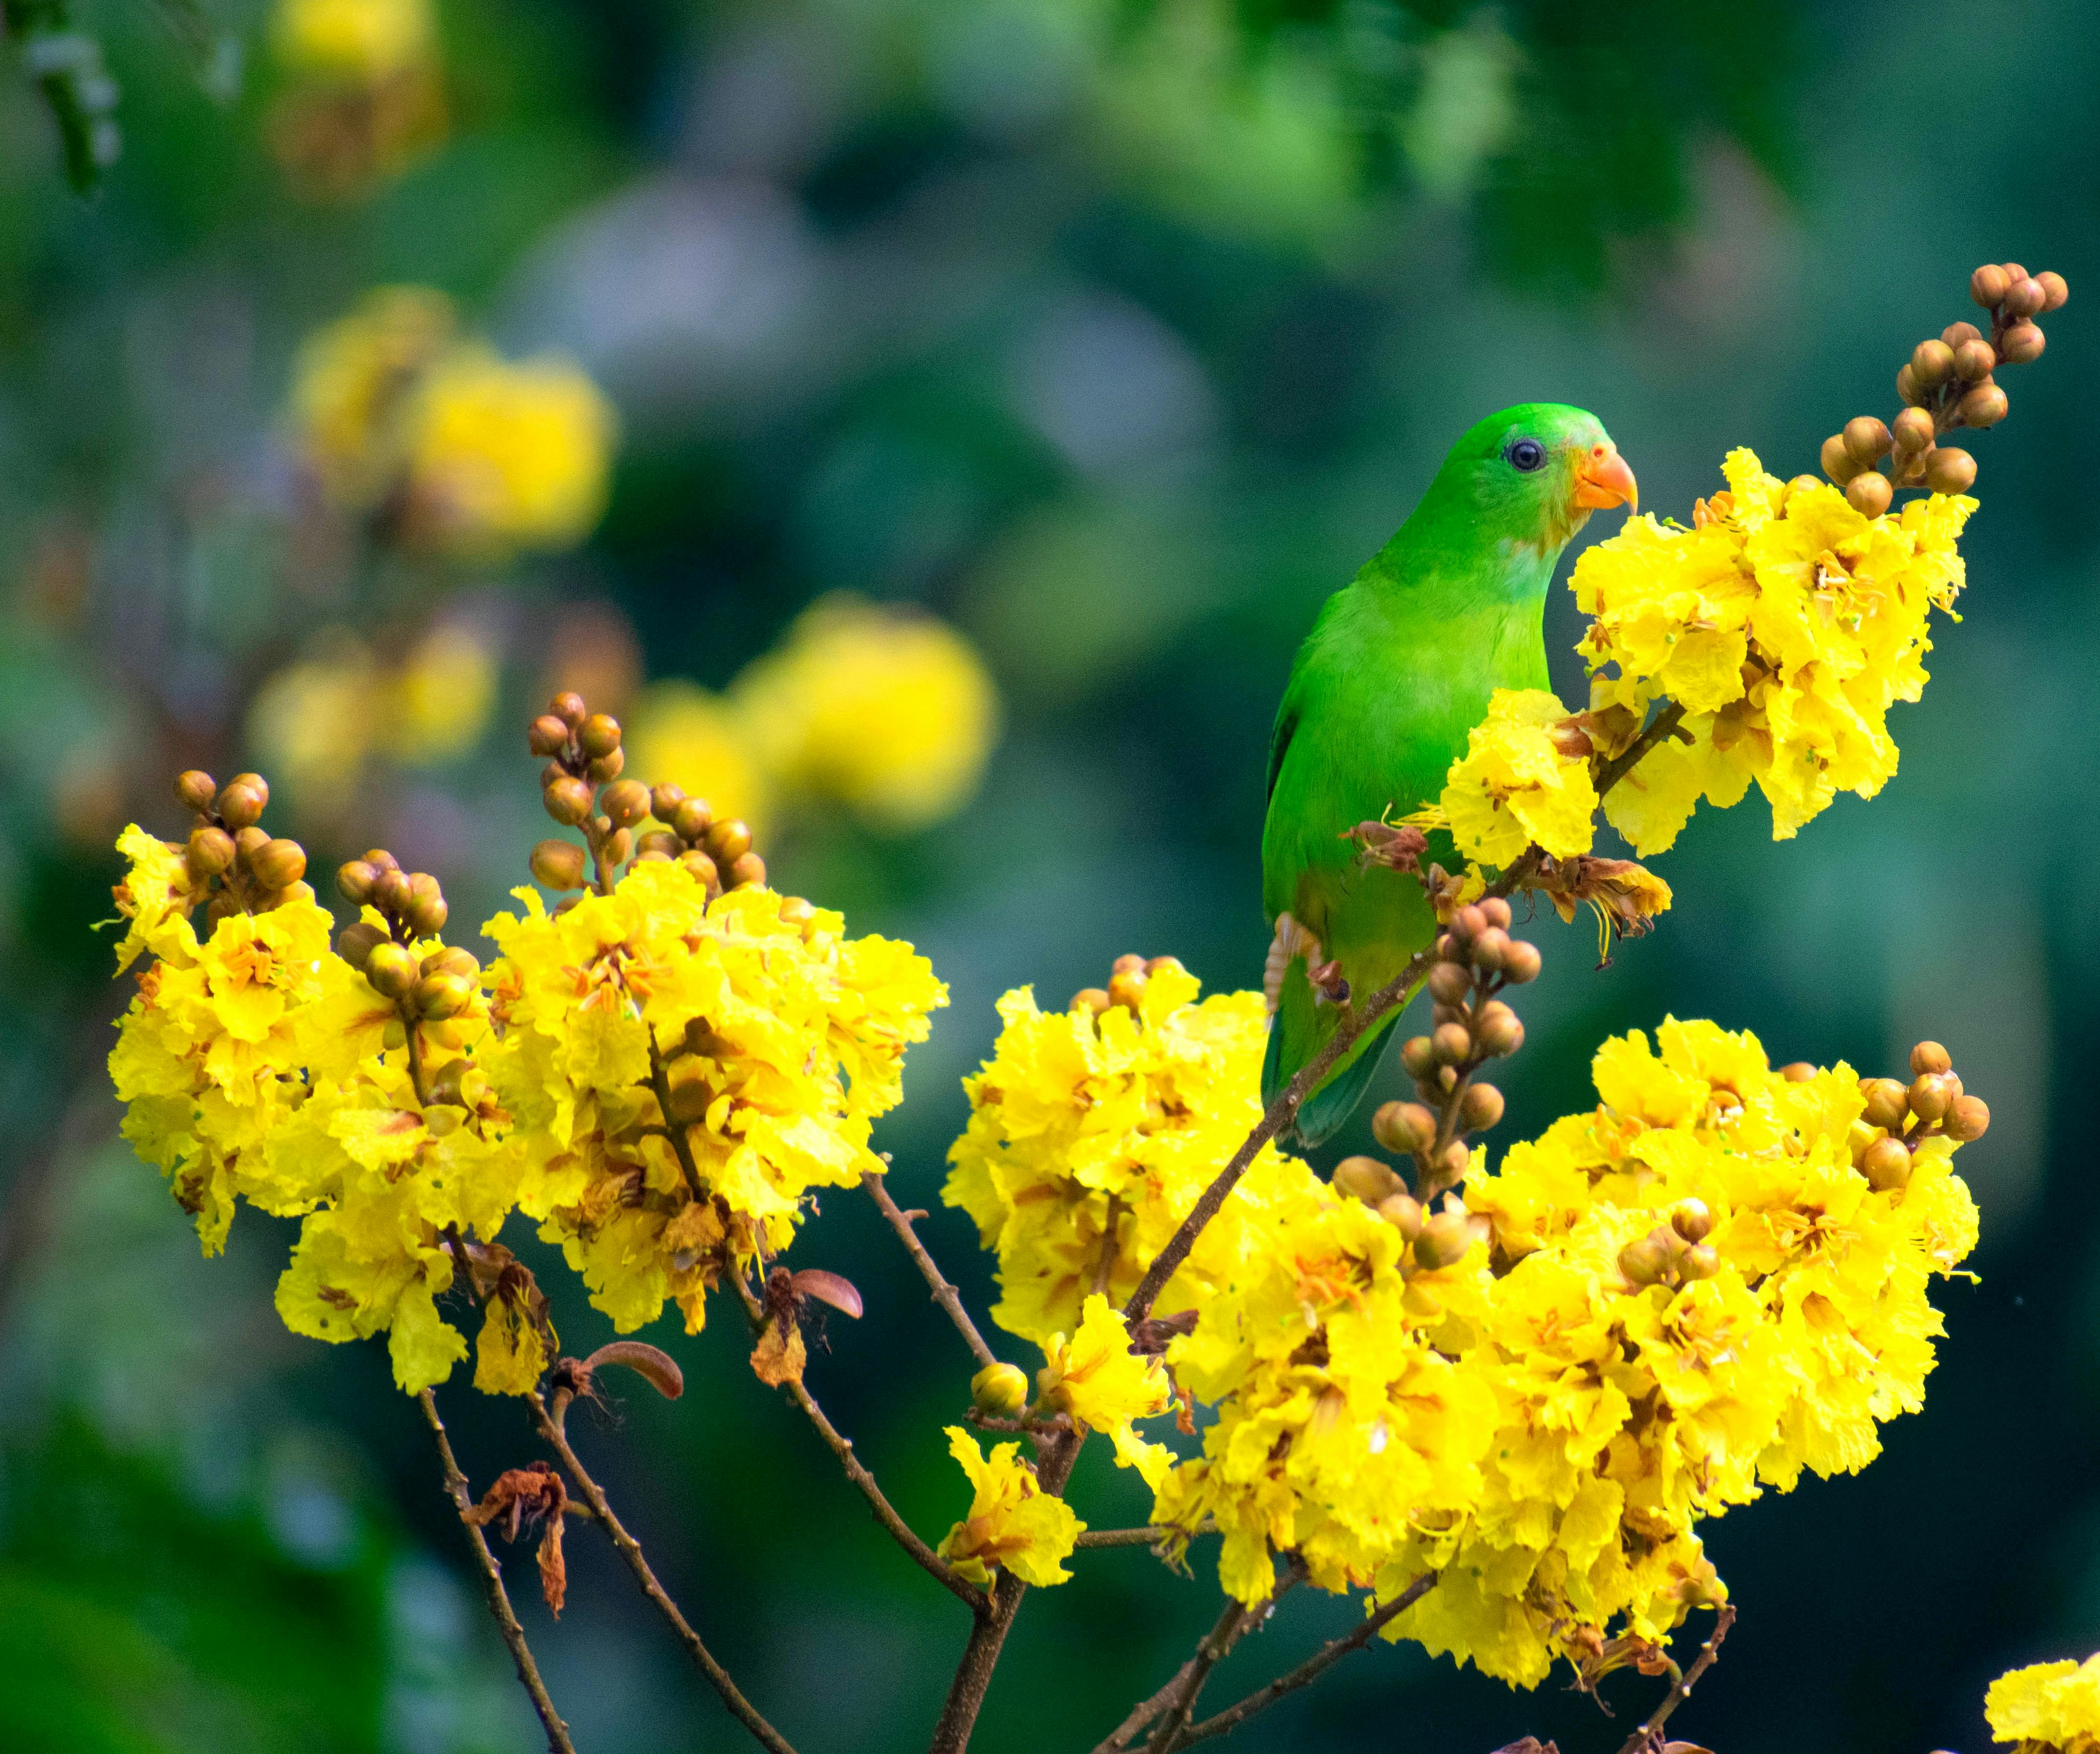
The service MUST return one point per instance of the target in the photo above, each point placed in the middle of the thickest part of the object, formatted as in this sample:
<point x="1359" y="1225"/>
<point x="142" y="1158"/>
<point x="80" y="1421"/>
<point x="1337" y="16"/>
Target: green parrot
<point x="1396" y="673"/>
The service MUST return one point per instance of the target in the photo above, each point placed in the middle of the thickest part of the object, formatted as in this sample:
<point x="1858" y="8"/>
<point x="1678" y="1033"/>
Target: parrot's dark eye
<point x="1526" y="454"/>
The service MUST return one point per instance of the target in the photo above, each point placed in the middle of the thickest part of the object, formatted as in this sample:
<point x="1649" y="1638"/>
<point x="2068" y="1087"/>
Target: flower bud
<point x="665" y="800"/>
<point x="1468" y="922"/>
<point x="1521" y="962"/>
<point x="391" y="970"/>
<point x="1480" y="1107"/>
<point x="390" y="892"/>
<point x="598" y="736"/>
<point x="353" y="881"/>
<point x="1929" y="1096"/>
<point x="1867" y="439"/>
<point x="1499" y="1030"/>
<point x="427" y="910"/>
<point x="222" y="906"/>
<point x="358" y="942"/>
<point x="690" y="820"/>
<point x="1444" y="1239"/>
<point x="441" y="995"/>
<point x="702" y="867"/>
<point x="2054" y="289"/>
<point x="1987" y="285"/>
<point x="1451" y="1042"/>
<point x="1446" y="948"/>
<point x="1490" y="948"/>
<point x="658" y="843"/>
<point x="626" y="801"/>
<point x="195" y="789"/>
<point x="1449" y="982"/>
<point x="606" y="768"/>
<point x="747" y="871"/>
<point x="210" y="851"/>
<point x="1093" y="999"/>
<point x="1155" y="966"/>
<point x="2022" y="343"/>
<point x="1931" y="364"/>
<point x="558" y="864"/>
<point x="1418" y="1053"/>
<point x="1404" y="1128"/>
<point x="1800" y="1071"/>
<point x="2025" y="297"/>
<point x="568" y="707"/>
<point x="1956" y="335"/>
<point x="1646" y="1259"/>
<point x="1929" y="1057"/>
<point x="1869" y="493"/>
<point x="1949" y="469"/>
<point x="451" y="960"/>
<point x="240" y="805"/>
<point x="1701" y="1261"/>
<point x="617" y="846"/>
<point x="1453" y="1162"/>
<point x="1888" y="1102"/>
<point x="547" y="735"/>
<point x="1913" y="432"/>
<point x="1885" y="1164"/>
<point x="1495" y="911"/>
<point x="1404" y="1212"/>
<point x="1693" y="1220"/>
<point x="727" y="841"/>
<point x="1126" y="986"/>
<point x="1838" y="462"/>
<point x="999" y="1388"/>
<point x="278" y="864"/>
<point x="460" y="1083"/>
<point x="1984" y="406"/>
<point x="1130" y="962"/>
<point x="1968" y="1117"/>
<point x="1366" y="1179"/>
<point x="249" y="842"/>
<point x="568" y="801"/>
<point x="1907" y="388"/>
<point x="1975" y="361"/>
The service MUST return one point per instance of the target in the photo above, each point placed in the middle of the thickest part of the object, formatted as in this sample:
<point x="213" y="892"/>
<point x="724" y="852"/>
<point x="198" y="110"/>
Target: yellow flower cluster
<point x="1012" y="1522"/>
<point x="1687" y="1294"/>
<point x="1785" y="623"/>
<point x="2048" y="1708"/>
<point x="461" y="453"/>
<point x="1082" y="1124"/>
<point x="1103" y="1386"/>
<point x="258" y="1065"/>
<point x="360" y="42"/>
<point x="684" y="1072"/>
<point x="362" y="95"/>
<point x="1516" y="784"/>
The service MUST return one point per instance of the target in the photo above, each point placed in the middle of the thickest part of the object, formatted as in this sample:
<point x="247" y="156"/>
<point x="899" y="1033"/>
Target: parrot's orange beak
<point x="1604" y="479"/>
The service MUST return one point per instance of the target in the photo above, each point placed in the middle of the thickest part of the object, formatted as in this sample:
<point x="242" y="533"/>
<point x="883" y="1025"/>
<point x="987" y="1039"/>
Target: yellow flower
<point x="1104" y="1386"/>
<point x="353" y="42"/>
<point x="348" y="388"/>
<point x="1514" y="785"/>
<point x="442" y="695"/>
<point x="2053" y="1706"/>
<point x="679" y="732"/>
<point x="892" y="712"/>
<point x="1012" y="1521"/>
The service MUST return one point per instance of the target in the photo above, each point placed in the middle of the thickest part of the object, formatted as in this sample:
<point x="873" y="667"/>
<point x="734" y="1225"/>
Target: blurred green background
<point x="1115" y="335"/>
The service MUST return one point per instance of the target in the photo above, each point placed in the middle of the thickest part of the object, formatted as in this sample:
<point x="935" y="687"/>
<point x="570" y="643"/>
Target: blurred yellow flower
<point x="442" y="696"/>
<point x="349" y="384"/>
<point x="353" y="42"/>
<point x="889" y="711"/>
<point x="1012" y="1521"/>
<point x="2049" y="1706"/>
<point x="677" y="732"/>
<point x="362" y="96"/>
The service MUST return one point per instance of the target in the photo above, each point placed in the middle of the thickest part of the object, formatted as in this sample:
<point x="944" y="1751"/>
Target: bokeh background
<point x="1085" y="344"/>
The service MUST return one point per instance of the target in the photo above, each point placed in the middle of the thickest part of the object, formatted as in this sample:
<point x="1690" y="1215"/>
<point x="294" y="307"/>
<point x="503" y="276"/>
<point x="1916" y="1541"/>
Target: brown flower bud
<point x="1093" y="999"/>
<point x="626" y="801"/>
<point x="1907" y="388"/>
<point x="796" y="911"/>
<point x="249" y="842"/>
<point x="451" y="960"/>
<point x="1452" y="1162"/>
<point x="2022" y="343"/>
<point x="568" y="707"/>
<point x="1949" y="469"/>
<point x="1404" y="1212"/>
<point x="353" y="881"/>
<point x="1888" y="1102"/>
<point x="1646" y="1259"/>
<point x="1867" y="439"/>
<point x="1451" y="1042"/>
<point x="1449" y="982"/>
<point x="1912" y="432"/>
<point x="460" y="1083"/>
<point x="1366" y="1179"/>
<point x="278" y="864"/>
<point x="1691" y="1220"/>
<point x="380" y="859"/>
<point x="1490" y="948"/>
<point x="665" y="800"/>
<point x="1468" y="922"/>
<point x="547" y="735"/>
<point x="607" y="767"/>
<point x="1974" y="360"/>
<point x="1838" y="462"/>
<point x="1500" y="1032"/>
<point x="1885" y="1164"/>
<point x="568" y="801"/>
<point x="1495" y="910"/>
<point x="1700" y="1260"/>
<point x="1931" y="364"/>
<point x="1521" y="962"/>
<point x="1480" y="1107"/>
<point x="1987" y="285"/>
<point x="240" y="805"/>
<point x="1155" y="966"/>
<point x="1984" y="406"/>
<point x="618" y="845"/>
<point x="2026" y="297"/>
<point x="1000" y="1389"/>
<point x="1130" y="962"/>
<point x="558" y="864"/>
<point x="747" y="871"/>
<point x="222" y="906"/>
<point x="441" y="996"/>
<point x="1418" y="1053"/>
<point x="727" y="841"/>
<point x="658" y="843"/>
<point x="358" y="941"/>
<point x="691" y="820"/>
<point x="598" y="735"/>
<point x="1968" y="1117"/>
<point x="1869" y="493"/>
<point x="426" y="911"/>
<point x="1929" y="1096"/>
<point x="1404" y="1128"/>
<point x="209" y="852"/>
<point x="1929" y="1057"/>
<point x="1956" y="335"/>
<point x="1799" y="1072"/>
<point x="1444" y="1239"/>
<point x="392" y="892"/>
<point x="1446" y="948"/>
<point x="1127" y="988"/>
<point x="702" y="867"/>
<point x="195" y="789"/>
<point x="2054" y="289"/>
<point x="391" y="968"/>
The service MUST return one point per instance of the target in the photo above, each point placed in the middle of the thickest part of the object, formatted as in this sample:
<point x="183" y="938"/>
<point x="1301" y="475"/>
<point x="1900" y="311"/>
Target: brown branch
<point x="1188" y="1686"/>
<point x="499" y="1599"/>
<point x="553" y="1430"/>
<point x="1146" y="1536"/>
<point x="1224" y="1722"/>
<point x="1649" y="1738"/>
<point x="1284" y="1110"/>
<point x="944" y="1293"/>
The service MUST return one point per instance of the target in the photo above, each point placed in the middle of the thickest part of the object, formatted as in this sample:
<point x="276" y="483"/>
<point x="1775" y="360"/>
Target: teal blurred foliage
<point x="1116" y="334"/>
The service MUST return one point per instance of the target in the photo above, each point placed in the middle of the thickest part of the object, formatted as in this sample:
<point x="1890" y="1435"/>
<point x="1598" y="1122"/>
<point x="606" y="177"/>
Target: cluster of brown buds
<point x="427" y="989"/>
<point x="582" y="787"/>
<point x="1949" y="382"/>
<point x="230" y="856"/>
<point x="1128" y="976"/>
<point x="1673" y="1254"/>
<point x="1903" y="1115"/>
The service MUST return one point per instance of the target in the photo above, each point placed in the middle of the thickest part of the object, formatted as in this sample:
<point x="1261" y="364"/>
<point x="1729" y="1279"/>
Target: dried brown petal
<point x="828" y="1288"/>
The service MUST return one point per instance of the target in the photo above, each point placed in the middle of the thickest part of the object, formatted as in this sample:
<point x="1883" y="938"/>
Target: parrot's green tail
<point x="1300" y="1029"/>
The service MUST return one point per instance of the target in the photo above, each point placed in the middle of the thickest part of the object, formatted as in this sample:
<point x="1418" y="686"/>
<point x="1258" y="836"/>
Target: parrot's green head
<point x="1531" y="475"/>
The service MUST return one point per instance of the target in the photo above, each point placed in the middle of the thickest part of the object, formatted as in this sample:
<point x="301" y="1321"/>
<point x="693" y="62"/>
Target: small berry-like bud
<point x="659" y="843"/>
<point x="1701" y="1261"/>
<point x="1418" y="1053"/>
<point x="249" y="842"/>
<point x="547" y="735"/>
<point x="663" y="802"/>
<point x="1968" y="1117"/>
<point x="240" y="805"/>
<point x="1956" y="335"/>
<point x="1500" y="1031"/>
<point x="1496" y="911"/>
<point x="461" y="1083"/>
<point x="2026" y="297"/>
<point x="1949" y="469"/>
<point x="1449" y="982"/>
<point x="427" y="910"/>
<point x="598" y="735"/>
<point x="690" y="820"/>
<point x="1468" y="922"/>
<point x="1984" y="406"/>
<point x="451" y="960"/>
<point x="358" y="942"/>
<point x="2023" y="343"/>
<point x="391" y="968"/>
<point x="999" y="1388"/>
<point x="1929" y="1096"/>
<point x="1888" y="1103"/>
<point x="209" y="852"/>
<point x="1130" y="962"/>
<point x="606" y="768"/>
<point x="1988" y="284"/>
<point x="1404" y="1212"/>
<point x="196" y="790"/>
<point x="1867" y="439"/>
<point x="1885" y="1164"/>
<point x="568" y="801"/>
<point x="1490" y="948"/>
<point x="1366" y="1179"/>
<point x="1974" y="360"/>
<point x="1691" y="1220"/>
<point x="1453" y="1043"/>
<point x="1404" y="1128"/>
<point x="626" y="801"/>
<point x="1126" y="987"/>
<point x="1929" y="1057"/>
<point x="1869" y="493"/>
<point x="702" y="867"/>
<point x="1444" y="1239"/>
<point x="1799" y="1072"/>
<point x="619" y="844"/>
<point x="747" y="871"/>
<point x="1931" y="364"/>
<point x="1646" y="1259"/>
<point x="795" y="911"/>
<point x="1521" y="962"/>
<point x="1155" y="966"/>
<point x="1453" y="1161"/>
<point x="278" y="864"/>
<point x="1093" y="999"/>
<point x="728" y="840"/>
<point x="392" y="894"/>
<point x="441" y="996"/>
<point x="353" y="881"/>
<point x="1913" y="432"/>
<point x="568" y="707"/>
<point x="1908" y="388"/>
<point x="558" y="864"/>
<point x="2055" y="290"/>
<point x="1446" y="948"/>
<point x="1838" y="462"/>
<point x="1480" y="1107"/>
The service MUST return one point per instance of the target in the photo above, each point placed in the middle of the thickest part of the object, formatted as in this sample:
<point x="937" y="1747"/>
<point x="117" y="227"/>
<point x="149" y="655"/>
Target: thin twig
<point x="499" y="1599"/>
<point x="1649" y="1738"/>
<point x="1188" y="1686"/>
<point x="1284" y="1110"/>
<point x="553" y="1430"/>
<point x="1150" y="1535"/>
<point x="1224" y="1722"/>
<point x="944" y="1293"/>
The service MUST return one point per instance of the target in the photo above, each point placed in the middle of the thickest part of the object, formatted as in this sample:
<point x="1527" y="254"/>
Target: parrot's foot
<point x="1291" y="941"/>
<point x="1329" y="987"/>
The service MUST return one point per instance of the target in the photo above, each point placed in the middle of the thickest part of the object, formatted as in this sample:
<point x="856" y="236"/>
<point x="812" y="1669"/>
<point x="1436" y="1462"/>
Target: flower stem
<point x="944" y="1293"/>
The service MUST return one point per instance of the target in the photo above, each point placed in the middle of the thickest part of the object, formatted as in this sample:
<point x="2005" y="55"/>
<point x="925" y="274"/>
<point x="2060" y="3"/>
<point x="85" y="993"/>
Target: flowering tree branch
<point x="944" y="1293"/>
<point x="553" y="1428"/>
<point x="499" y="1599"/>
<point x="1647" y="1739"/>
